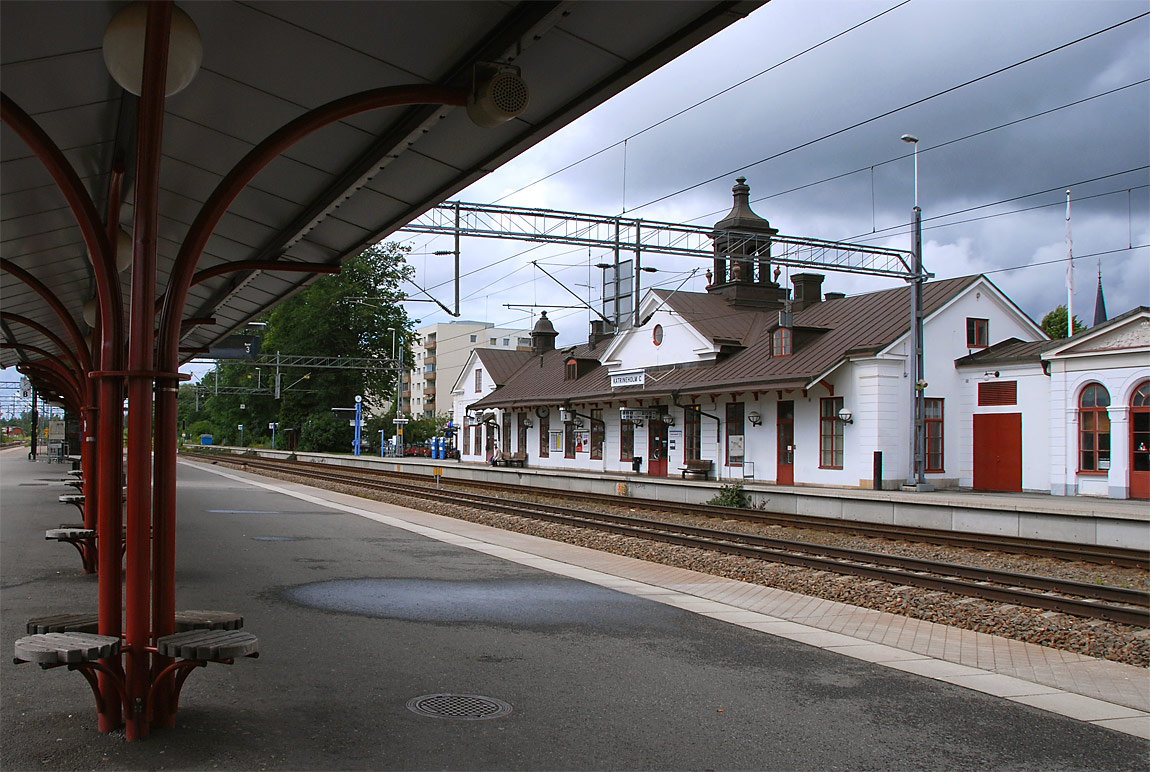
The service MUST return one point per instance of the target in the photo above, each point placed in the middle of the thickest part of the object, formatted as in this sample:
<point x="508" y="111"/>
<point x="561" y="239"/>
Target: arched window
<point x="1094" y="429"/>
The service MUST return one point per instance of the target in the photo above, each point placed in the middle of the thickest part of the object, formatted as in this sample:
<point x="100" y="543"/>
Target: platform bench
<point x="697" y="468"/>
<point x="75" y="499"/>
<point x="516" y="459"/>
<point x="185" y="620"/>
<point x="208" y="645"/>
<point x="83" y="539"/>
<point x="52" y="649"/>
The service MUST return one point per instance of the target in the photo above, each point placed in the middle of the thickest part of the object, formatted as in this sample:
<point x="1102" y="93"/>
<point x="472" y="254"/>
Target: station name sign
<point x="630" y="378"/>
<point x="638" y="414"/>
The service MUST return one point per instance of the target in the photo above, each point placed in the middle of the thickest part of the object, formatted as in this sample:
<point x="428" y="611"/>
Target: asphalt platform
<point x="600" y="662"/>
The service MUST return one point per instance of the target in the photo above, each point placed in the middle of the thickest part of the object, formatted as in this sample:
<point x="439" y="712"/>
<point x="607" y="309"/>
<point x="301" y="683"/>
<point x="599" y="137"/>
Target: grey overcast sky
<point x="995" y="156"/>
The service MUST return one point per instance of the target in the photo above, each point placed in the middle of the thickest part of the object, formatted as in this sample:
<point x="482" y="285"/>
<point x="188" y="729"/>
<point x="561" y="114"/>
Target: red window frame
<point x="569" y="439"/>
<point x="782" y="342"/>
<point x="598" y="433"/>
<point x="830" y="433"/>
<point x="977" y="332"/>
<point x="626" y="441"/>
<point x="1093" y="430"/>
<point x="478" y="380"/>
<point x="544" y="438"/>
<point x="932" y="419"/>
<point x="693" y="433"/>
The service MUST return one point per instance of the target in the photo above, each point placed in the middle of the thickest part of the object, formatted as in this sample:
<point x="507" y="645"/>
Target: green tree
<point x="348" y="314"/>
<point x="1054" y="324"/>
<point x="351" y="314"/>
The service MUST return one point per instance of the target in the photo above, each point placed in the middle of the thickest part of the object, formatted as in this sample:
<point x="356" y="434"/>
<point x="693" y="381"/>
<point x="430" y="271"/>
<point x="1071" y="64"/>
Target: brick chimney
<point x="808" y="290"/>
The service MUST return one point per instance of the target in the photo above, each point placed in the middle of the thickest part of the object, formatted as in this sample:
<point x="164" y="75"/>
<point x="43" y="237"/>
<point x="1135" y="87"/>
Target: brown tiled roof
<point x="862" y="323"/>
<point x="500" y="364"/>
<point x="714" y="317"/>
<point x="1007" y="351"/>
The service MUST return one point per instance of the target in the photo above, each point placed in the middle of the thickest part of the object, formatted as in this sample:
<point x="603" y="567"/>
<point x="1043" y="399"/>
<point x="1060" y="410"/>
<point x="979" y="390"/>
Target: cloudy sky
<point x="1010" y="111"/>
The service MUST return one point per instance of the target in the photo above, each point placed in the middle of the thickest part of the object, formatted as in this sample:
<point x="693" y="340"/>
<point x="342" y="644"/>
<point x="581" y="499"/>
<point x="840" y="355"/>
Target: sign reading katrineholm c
<point x="630" y="378"/>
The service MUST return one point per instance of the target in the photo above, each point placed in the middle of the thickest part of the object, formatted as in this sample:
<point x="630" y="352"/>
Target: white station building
<point x="721" y="381"/>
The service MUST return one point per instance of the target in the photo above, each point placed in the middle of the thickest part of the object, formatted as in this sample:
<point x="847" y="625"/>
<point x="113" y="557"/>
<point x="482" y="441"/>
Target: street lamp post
<point x="917" y="363"/>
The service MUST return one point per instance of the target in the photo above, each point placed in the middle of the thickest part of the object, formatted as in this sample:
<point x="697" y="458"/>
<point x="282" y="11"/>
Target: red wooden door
<point x="998" y="452"/>
<point x="785" y="423"/>
<point x="1140" y="452"/>
<point x="657" y="448"/>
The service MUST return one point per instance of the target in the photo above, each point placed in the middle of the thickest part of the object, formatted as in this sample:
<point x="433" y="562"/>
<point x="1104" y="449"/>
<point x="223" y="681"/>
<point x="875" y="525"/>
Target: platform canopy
<point x="264" y="64"/>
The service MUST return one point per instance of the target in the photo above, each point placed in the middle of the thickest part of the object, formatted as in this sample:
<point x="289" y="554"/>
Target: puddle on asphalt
<point x="544" y="602"/>
<point x="276" y="538"/>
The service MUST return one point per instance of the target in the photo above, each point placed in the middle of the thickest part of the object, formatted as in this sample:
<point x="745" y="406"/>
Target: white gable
<point x="665" y="339"/>
<point x="1132" y="334"/>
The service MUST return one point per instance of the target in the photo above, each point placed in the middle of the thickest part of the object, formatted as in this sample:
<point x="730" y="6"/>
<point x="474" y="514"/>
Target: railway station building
<point x="751" y="380"/>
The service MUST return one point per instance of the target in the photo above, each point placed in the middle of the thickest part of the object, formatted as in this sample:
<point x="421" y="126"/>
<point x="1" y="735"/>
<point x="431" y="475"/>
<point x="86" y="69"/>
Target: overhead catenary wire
<point x="895" y="110"/>
<point x="701" y="102"/>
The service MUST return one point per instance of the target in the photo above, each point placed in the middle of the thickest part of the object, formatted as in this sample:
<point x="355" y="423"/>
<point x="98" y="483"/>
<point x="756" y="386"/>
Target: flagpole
<point x="1069" y="273"/>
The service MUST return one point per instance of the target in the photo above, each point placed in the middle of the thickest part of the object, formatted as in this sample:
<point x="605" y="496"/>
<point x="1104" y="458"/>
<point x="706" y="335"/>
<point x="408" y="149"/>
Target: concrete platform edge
<point x="690" y="592"/>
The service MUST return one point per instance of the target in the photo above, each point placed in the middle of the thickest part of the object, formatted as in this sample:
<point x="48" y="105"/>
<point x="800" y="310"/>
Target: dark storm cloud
<point x="915" y="51"/>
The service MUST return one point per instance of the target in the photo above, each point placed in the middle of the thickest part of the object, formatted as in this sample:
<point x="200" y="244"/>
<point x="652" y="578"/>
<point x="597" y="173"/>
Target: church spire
<point x="1099" y="301"/>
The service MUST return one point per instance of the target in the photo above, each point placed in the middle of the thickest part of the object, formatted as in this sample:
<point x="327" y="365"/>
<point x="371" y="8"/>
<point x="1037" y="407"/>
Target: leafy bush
<point x="731" y="495"/>
<point x="326" y="434"/>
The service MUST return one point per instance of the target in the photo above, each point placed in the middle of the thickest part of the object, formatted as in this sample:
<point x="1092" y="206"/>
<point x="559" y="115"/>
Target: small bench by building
<point x="697" y="469"/>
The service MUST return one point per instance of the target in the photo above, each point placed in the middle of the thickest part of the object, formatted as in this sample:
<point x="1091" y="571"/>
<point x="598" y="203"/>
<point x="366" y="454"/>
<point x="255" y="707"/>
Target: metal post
<point x="618" y="316"/>
<point x="919" y="384"/>
<point x="358" y="416"/>
<point x="638" y="273"/>
<point x="457" y="258"/>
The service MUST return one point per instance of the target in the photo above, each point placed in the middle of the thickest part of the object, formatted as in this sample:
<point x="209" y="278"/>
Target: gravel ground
<point x="1096" y="638"/>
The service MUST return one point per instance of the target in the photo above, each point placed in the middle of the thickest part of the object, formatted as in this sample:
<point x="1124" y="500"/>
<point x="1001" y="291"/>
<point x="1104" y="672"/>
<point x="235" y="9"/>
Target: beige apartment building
<point x="439" y="354"/>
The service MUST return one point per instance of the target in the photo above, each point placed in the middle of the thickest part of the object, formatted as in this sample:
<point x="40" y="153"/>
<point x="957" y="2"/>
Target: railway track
<point x="1117" y="604"/>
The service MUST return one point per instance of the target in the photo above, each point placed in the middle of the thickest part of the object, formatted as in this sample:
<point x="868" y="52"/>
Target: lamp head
<point x="909" y="138"/>
<point x="845" y="416"/>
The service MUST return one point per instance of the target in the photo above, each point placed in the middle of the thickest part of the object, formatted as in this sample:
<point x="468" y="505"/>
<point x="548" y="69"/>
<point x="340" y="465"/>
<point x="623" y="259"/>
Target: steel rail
<point x="947" y="577"/>
<point x="1102" y="555"/>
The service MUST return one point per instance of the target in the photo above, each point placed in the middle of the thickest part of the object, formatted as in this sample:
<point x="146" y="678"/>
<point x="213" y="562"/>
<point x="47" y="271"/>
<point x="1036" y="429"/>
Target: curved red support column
<point x="141" y="344"/>
<point x="109" y="393"/>
<point x="70" y="383"/>
<point x="80" y="359"/>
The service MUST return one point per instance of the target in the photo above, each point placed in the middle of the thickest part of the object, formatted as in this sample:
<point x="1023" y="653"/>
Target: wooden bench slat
<point x="69" y="534"/>
<point x="208" y="644"/>
<point x="65" y="648"/>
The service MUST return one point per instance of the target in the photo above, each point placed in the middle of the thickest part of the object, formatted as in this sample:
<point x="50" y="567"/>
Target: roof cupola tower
<point x="742" y="269"/>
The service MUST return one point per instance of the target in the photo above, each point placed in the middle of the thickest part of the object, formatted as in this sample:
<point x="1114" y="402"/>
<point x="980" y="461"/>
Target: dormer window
<point x="572" y="370"/>
<point x="781" y="342"/>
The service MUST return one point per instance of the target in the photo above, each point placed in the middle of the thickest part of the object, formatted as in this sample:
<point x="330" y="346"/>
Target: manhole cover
<point x="466" y="707"/>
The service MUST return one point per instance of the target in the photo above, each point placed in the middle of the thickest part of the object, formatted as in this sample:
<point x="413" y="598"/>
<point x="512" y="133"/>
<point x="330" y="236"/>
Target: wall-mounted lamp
<point x="637" y="421"/>
<point x="668" y="419"/>
<point x="846" y="416"/>
<point x="527" y="422"/>
<point x="755" y="418"/>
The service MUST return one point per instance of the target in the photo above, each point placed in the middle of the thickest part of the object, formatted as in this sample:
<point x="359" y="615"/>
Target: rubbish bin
<point x="636" y="463"/>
